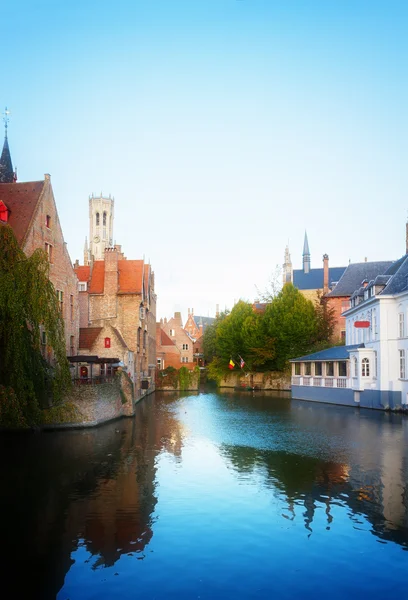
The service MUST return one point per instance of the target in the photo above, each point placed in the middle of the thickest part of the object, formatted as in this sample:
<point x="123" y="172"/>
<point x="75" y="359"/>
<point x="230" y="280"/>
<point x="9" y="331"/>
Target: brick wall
<point x="62" y="274"/>
<point x="175" y="331"/>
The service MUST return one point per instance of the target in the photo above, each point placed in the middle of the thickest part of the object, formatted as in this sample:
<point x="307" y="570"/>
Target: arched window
<point x="365" y="367"/>
<point x="355" y="367"/>
<point x="104" y="218"/>
<point x="97" y="219"/>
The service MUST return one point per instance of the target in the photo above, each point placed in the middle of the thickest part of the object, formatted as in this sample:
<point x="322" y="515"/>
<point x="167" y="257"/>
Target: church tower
<point x="100" y="226"/>
<point x="6" y="166"/>
<point x="287" y="268"/>
<point x="306" y="256"/>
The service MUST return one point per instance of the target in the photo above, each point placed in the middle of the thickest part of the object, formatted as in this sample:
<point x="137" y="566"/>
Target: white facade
<point x="385" y="341"/>
<point x="100" y="226"/>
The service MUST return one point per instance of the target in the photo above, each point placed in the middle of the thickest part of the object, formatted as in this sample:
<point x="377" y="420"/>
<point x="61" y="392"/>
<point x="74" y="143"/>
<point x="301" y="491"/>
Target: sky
<point x="223" y="128"/>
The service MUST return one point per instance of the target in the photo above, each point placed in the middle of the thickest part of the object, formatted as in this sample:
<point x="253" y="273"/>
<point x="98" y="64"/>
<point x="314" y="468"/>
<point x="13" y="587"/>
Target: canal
<point x="231" y="495"/>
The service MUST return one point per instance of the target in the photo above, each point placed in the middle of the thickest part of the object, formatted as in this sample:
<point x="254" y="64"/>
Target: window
<point x="48" y="250"/>
<point x="345" y="305"/>
<point x="185" y="346"/>
<point x="159" y="363"/>
<point x="82" y="286"/>
<point x="343" y="335"/>
<point x="138" y="338"/>
<point x="330" y="369"/>
<point x="374" y="326"/>
<point x="401" y="325"/>
<point x="297" y="368"/>
<point x="308" y="369"/>
<point x="43" y="338"/>
<point x="402" y="363"/>
<point x="355" y="366"/>
<point x="144" y="339"/>
<point x="97" y="219"/>
<point x="48" y="221"/>
<point x="365" y="367"/>
<point x="60" y="297"/>
<point x="72" y="345"/>
<point x="318" y="369"/>
<point x="375" y="364"/>
<point x="106" y="370"/>
<point x="71" y="306"/>
<point x="184" y="359"/>
<point x="342" y="368"/>
<point x="104" y="218"/>
<point x="172" y="332"/>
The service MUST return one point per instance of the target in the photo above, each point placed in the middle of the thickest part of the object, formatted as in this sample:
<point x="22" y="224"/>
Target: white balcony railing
<point x="329" y="382"/>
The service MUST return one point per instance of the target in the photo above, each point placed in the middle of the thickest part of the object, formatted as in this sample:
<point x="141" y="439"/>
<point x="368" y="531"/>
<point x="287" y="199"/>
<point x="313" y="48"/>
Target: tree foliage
<point x="290" y="326"/>
<point x="29" y="305"/>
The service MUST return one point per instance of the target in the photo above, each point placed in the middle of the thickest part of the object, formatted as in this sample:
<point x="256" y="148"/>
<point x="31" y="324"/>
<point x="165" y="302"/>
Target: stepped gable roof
<point x="88" y="336"/>
<point x="334" y="353"/>
<point x="6" y="165"/>
<point x="399" y="281"/>
<point x="355" y="274"/>
<point x="314" y="279"/>
<point x="83" y="272"/>
<point x="130" y="277"/>
<point x="21" y="199"/>
<point x="165" y="340"/>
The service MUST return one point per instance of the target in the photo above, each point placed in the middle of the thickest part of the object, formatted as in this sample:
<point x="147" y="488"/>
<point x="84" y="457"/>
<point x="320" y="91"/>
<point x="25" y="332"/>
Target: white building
<point x="100" y="228"/>
<point x="371" y="369"/>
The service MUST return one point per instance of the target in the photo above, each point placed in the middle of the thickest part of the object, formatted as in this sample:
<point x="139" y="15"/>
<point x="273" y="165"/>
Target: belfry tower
<point x="287" y="268"/>
<point x="100" y="226"/>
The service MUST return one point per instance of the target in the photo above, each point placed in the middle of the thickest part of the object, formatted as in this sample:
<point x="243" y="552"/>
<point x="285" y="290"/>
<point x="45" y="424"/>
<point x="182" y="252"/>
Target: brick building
<point x="118" y="313"/>
<point x="168" y="355"/>
<point x="30" y="209"/>
<point x="177" y="334"/>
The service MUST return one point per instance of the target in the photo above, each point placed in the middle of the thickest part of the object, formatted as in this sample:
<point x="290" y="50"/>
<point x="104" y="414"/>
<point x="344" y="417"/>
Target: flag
<point x="231" y="364"/>
<point x="242" y="362"/>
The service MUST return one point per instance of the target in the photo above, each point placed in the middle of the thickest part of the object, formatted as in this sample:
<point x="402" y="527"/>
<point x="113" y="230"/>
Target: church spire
<point x="306" y="255"/>
<point x="6" y="166"/>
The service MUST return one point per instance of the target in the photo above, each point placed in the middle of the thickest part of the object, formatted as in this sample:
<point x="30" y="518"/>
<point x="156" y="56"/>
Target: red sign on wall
<point x="107" y="342"/>
<point x="362" y="324"/>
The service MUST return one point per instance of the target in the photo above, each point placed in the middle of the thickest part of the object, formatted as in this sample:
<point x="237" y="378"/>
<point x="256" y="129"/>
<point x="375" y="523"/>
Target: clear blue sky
<point x="223" y="128"/>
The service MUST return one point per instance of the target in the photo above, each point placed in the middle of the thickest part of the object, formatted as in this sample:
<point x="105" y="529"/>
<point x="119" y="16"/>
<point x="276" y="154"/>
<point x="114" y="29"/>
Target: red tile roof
<point x="165" y="340"/>
<point x="130" y="276"/>
<point x="82" y="272"/>
<point x="97" y="278"/>
<point x="21" y="199"/>
<point x="87" y="337"/>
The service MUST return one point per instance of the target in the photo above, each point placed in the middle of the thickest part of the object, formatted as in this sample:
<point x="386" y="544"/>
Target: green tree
<point x="291" y="321"/>
<point x="28" y="306"/>
<point x="210" y="337"/>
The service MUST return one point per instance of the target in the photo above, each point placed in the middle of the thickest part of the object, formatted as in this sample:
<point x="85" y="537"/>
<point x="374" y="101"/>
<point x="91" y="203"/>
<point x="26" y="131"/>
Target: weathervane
<point x="6" y="118"/>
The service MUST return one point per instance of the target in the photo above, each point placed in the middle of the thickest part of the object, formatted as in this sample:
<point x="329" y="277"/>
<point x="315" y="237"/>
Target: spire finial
<point x="6" y="120"/>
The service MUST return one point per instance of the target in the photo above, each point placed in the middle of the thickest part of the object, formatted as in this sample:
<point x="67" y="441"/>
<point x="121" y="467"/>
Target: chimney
<point x="111" y="283"/>
<point x="325" y="273"/>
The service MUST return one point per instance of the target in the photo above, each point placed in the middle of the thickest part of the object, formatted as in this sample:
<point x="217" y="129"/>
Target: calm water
<point x="209" y="496"/>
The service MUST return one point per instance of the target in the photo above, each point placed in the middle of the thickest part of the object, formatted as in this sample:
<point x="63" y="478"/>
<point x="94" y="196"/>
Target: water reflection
<point x="92" y="488"/>
<point x="198" y="474"/>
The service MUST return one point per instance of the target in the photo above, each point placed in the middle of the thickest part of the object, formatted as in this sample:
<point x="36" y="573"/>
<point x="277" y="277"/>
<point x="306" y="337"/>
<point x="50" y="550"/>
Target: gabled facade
<point x="119" y="293"/>
<point x="177" y="334"/>
<point x="372" y="373"/>
<point x="168" y="355"/>
<point x="30" y="209"/>
<point x="196" y="325"/>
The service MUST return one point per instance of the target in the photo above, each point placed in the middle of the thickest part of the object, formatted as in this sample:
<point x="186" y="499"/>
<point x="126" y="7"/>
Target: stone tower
<point x="100" y="226"/>
<point x="287" y="268"/>
<point x="306" y="255"/>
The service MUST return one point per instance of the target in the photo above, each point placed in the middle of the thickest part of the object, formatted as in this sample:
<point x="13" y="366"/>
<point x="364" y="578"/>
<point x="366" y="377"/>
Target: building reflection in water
<point x="94" y="488"/>
<point x="371" y="477"/>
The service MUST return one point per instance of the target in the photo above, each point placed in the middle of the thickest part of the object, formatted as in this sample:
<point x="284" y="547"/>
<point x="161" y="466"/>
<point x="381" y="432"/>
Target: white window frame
<point x="402" y="364"/>
<point x="401" y="325"/>
<point x="365" y="367"/>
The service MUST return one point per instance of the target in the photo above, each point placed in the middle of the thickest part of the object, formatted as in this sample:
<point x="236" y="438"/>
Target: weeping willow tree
<point x="29" y="307"/>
